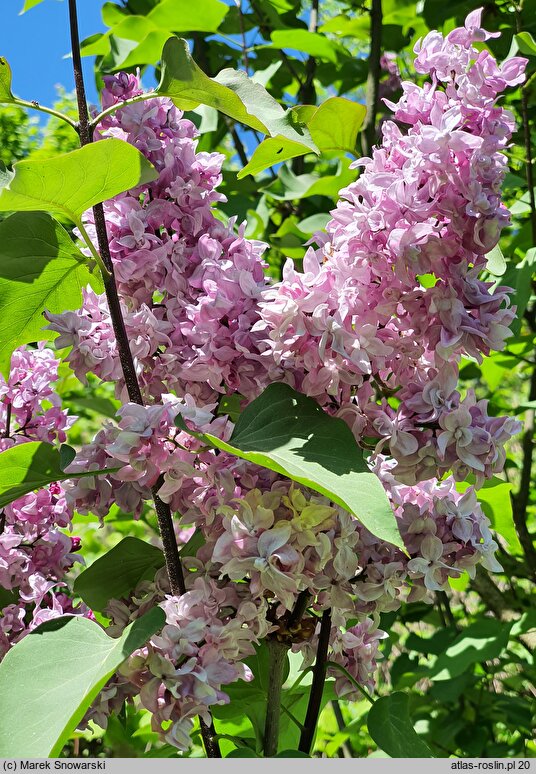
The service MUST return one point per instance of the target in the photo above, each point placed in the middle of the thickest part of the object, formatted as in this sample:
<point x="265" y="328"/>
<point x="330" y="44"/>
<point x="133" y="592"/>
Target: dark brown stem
<point x="346" y="747"/>
<point x="302" y="600"/>
<point x="165" y="522"/>
<point x="83" y="114"/>
<point x="317" y="687"/>
<point x="491" y="595"/>
<point x="239" y="147"/>
<point x="210" y="742"/>
<point x="529" y="166"/>
<point x="449" y="615"/>
<point x="307" y="90"/>
<point x="243" y="36"/>
<point x="7" y="428"/>
<point x="368" y="135"/>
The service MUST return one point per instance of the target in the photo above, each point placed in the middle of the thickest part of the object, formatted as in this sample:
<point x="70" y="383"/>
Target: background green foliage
<point x="465" y="664"/>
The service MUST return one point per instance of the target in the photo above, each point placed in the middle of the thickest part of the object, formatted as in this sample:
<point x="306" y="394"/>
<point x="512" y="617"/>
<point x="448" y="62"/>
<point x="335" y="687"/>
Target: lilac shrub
<point x="373" y="327"/>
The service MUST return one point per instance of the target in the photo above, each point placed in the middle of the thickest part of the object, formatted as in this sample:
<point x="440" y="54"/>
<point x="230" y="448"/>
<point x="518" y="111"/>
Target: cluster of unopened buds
<point x="373" y="327"/>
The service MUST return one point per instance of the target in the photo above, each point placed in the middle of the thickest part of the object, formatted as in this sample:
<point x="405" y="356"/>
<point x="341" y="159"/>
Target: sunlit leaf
<point x="389" y="724"/>
<point x="148" y="50"/>
<point x="258" y="102"/>
<point x="310" y="43"/>
<point x="33" y="465"/>
<point x="188" y="86"/>
<point x="335" y="124"/>
<point x="496" y="263"/>
<point x="6" y="95"/>
<point x="73" y="182"/>
<point x="185" y="16"/>
<point x="496" y="501"/>
<point x="231" y="93"/>
<point x="112" y="14"/>
<point x="40" y="268"/>
<point x="526" y="43"/>
<point x="117" y="572"/>
<point x="289" y="433"/>
<point x="485" y="639"/>
<point x="50" y="678"/>
<point x="272" y="151"/>
<point x="28" y="4"/>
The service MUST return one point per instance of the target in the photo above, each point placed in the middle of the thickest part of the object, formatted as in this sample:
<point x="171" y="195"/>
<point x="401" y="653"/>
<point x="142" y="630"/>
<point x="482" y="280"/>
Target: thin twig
<point x="307" y="90"/>
<point x="7" y="429"/>
<point x="346" y="745"/>
<point x="522" y="497"/>
<point x="94" y="252"/>
<point x="239" y="146"/>
<point x="243" y="36"/>
<point x="520" y="357"/>
<point x="368" y="135"/>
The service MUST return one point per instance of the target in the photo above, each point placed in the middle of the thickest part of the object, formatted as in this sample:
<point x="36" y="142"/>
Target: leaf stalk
<point x="33" y="105"/>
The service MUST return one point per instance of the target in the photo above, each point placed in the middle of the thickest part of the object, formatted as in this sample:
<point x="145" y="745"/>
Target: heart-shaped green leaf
<point x="185" y="16"/>
<point x="390" y="726"/>
<point x="335" y="124"/>
<point x="73" y="182"/>
<point x="231" y="92"/>
<point x="117" y="572"/>
<point x="40" y="268"/>
<point x="6" y="95"/>
<point x="50" y="679"/>
<point x="485" y="639"/>
<point x="30" y="466"/>
<point x="289" y="433"/>
<point x="272" y="151"/>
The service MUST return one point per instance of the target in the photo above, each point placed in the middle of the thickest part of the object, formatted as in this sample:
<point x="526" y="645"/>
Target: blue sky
<point x="35" y="43"/>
